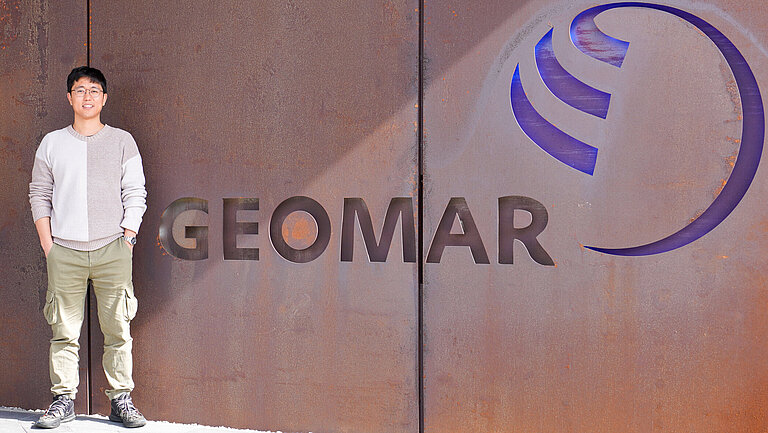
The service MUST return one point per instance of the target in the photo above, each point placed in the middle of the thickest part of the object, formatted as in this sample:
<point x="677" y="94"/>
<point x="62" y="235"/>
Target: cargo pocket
<point x="50" y="310"/>
<point x="131" y="304"/>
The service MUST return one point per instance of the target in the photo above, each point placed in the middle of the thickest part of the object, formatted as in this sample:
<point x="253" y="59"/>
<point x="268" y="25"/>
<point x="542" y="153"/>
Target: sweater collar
<point x="88" y="138"/>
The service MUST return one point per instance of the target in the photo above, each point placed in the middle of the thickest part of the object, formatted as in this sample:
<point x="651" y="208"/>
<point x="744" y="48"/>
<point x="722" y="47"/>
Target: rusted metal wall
<point x="40" y="42"/>
<point x="243" y="109"/>
<point x="597" y="342"/>
<point x="269" y="100"/>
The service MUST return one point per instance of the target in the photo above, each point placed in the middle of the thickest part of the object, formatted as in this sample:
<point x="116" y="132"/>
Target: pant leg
<point x="111" y="269"/>
<point x="65" y="302"/>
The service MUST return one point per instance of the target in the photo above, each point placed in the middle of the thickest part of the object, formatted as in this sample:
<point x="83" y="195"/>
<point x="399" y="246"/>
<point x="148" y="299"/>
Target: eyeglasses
<point x="94" y="92"/>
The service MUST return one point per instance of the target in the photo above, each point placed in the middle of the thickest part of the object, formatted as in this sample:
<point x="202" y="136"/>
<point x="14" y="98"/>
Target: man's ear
<point x="104" y="99"/>
<point x="69" y="98"/>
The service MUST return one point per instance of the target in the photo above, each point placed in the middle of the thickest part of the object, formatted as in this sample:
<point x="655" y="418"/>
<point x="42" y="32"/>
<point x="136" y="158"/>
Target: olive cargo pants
<point x="109" y="268"/>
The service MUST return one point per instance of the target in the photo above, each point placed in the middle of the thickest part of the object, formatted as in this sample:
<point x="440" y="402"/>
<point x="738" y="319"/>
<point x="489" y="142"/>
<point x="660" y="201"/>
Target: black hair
<point x="93" y="74"/>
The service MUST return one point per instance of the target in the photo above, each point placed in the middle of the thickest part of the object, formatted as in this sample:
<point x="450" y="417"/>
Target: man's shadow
<point x="27" y="419"/>
<point x="19" y="414"/>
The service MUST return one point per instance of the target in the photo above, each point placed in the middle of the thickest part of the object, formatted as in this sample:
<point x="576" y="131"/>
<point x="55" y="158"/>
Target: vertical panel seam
<point x="420" y="223"/>
<point x="88" y="33"/>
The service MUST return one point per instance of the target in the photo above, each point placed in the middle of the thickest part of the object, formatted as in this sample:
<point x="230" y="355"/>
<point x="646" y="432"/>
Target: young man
<point x="88" y="199"/>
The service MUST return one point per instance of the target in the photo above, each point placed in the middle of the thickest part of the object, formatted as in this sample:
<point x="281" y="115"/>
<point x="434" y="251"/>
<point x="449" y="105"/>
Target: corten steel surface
<point x="302" y="106"/>
<point x="268" y="101"/>
<point x="602" y="343"/>
<point x="40" y="42"/>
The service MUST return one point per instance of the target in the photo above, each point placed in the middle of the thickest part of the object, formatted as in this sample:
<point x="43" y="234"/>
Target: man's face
<point x="86" y="98"/>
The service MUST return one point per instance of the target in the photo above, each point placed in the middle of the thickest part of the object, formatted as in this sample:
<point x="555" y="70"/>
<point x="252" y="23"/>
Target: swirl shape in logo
<point x="587" y="37"/>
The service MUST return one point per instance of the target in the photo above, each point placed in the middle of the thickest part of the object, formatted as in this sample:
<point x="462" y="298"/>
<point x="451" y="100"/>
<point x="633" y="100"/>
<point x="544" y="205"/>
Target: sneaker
<point x="125" y="412"/>
<point x="61" y="410"/>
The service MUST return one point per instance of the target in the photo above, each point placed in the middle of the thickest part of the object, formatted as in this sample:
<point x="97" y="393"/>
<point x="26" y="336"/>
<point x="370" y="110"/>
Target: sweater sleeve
<point x="134" y="194"/>
<point x="41" y="187"/>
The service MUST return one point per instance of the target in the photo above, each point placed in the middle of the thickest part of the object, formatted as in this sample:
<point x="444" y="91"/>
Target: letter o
<point x="287" y="207"/>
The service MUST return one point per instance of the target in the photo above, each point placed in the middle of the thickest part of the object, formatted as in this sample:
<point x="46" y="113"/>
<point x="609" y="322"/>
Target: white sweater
<point x="91" y="187"/>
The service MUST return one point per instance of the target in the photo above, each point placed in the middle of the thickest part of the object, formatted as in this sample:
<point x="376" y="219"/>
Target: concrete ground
<point x="14" y="420"/>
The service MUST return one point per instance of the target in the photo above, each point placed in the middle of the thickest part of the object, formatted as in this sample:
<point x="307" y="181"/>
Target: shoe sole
<point x="115" y="418"/>
<point x="65" y="419"/>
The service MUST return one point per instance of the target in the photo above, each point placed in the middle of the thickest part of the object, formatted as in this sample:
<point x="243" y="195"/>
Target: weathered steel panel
<point x="40" y="42"/>
<point x="597" y="342"/>
<point x="234" y="101"/>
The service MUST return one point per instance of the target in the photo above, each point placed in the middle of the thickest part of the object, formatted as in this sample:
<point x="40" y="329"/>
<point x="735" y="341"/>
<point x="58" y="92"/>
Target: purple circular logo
<point x="581" y="156"/>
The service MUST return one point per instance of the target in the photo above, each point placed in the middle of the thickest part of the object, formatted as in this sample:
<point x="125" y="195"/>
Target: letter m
<point x="378" y="251"/>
